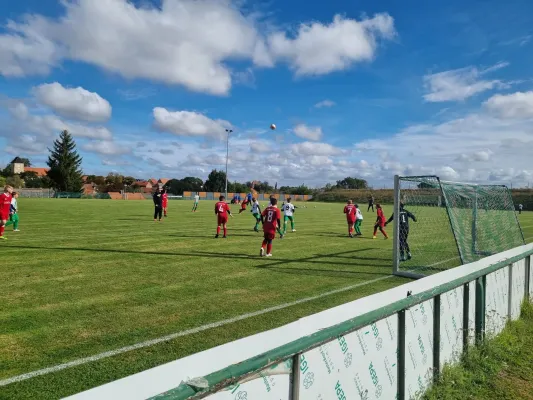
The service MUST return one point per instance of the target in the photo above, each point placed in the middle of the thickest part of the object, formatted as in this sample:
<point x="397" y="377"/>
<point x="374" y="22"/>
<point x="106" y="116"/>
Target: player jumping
<point x="164" y="201"/>
<point x="222" y="210"/>
<point x="13" y="211"/>
<point x="380" y="222"/>
<point x="5" y="206"/>
<point x="404" y="231"/>
<point x="244" y="204"/>
<point x="271" y="218"/>
<point x="196" y="200"/>
<point x="256" y="212"/>
<point x="349" y="210"/>
<point x="288" y="215"/>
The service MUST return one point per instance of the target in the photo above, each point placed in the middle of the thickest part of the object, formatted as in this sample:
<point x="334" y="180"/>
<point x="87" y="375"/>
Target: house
<point x="153" y="181"/>
<point x="88" y="188"/>
<point x="17" y="167"/>
<point x="39" y="171"/>
<point x="163" y="181"/>
<point x="144" y="186"/>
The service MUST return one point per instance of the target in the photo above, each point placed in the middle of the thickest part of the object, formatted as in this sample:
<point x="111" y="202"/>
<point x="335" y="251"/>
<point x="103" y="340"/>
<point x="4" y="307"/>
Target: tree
<point x="99" y="180"/>
<point x="129" y="180"/>
<point x="216" y="181"/>
<point x="352" y="183"/>
<point x="65" y="162"/>
<point x="2" y="181"/>
<point x="15" y="181"/>
<point x="187" y="184"/>
<point x="31" y="180"/>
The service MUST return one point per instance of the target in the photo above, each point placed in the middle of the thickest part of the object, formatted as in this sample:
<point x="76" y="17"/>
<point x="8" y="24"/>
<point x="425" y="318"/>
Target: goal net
<point x="444" y="224"/>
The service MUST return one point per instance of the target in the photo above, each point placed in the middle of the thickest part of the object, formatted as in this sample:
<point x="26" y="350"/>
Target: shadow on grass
<point x="276" y="265"/>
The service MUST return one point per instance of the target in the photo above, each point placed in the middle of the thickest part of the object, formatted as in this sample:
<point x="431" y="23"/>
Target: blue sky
<point x="356" y="88"/>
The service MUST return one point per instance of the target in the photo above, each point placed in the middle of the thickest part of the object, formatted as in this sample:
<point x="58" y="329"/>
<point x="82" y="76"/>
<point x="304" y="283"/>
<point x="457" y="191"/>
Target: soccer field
<point x="85" y="277"/>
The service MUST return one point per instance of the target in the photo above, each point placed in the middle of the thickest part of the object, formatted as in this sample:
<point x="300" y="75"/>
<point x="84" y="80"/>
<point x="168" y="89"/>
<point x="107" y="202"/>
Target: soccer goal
<point x="443" y="224"/>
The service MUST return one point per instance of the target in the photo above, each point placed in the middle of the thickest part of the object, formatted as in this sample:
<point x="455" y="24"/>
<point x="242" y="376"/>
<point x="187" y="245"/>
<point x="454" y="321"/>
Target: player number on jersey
<point x="270" y="215"/>
<point x="403" y="218"/>
<point x="221" y="208"/>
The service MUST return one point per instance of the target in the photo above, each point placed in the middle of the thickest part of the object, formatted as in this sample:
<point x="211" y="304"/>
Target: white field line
<point x="152" y="342"/>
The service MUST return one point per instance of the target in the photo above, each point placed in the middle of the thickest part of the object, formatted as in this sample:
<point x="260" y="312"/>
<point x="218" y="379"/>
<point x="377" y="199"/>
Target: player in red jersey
<point x="5" y="206"/>
<point x="222" y="210"/>
<point x="349" y="210"/>
<point x="243" y="205"/>
<point x="164" y="201"/>
<point x="380" y="222"/>
<point x="271" y="218"/>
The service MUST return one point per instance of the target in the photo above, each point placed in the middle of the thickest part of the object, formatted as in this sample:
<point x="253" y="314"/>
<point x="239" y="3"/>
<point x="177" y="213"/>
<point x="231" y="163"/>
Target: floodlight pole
<point x="228" y="131"/>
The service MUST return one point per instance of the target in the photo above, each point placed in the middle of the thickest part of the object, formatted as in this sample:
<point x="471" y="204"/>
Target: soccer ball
<point x="273" y="127"/>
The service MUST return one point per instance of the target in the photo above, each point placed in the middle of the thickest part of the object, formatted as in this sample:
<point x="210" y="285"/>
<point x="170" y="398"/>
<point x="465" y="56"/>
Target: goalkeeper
<point x="404" y="231"/>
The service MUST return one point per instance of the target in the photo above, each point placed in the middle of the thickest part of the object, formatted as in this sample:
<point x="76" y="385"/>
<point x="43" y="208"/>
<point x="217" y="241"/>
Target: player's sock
<point x="292" y="225"/>
<point x="2" y="229"/>
<point x="225" y="231"/>
<point x="218" y="230"/>
<point x="269" y="248"/>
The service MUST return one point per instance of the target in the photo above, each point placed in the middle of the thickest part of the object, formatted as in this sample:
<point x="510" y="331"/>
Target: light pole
<point x="228" y="131"/>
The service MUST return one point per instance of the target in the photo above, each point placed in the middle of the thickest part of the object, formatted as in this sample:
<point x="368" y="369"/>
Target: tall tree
<point x="216" y="181"/>
<point x="65" y="162"/>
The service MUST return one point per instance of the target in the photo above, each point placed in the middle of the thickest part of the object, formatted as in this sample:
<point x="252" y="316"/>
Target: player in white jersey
<point x="196" y="200"/>
<point x="288" y="215"/>
<point x="358" y="220"/>
<point x="256" y="212"/>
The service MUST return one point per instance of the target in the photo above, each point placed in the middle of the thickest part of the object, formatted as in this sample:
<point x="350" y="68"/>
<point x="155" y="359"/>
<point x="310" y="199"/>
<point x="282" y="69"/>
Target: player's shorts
<point x="288" y="217"/>
<point x="4" y="216"/>
<point x="243" y="206"/>
<point x="380" y="224"/>
<point x="222" y="220"/>
<point x="350" y="221"/>
<point x="257" y="215"/>
<point x="269" y="235"/>
<point x="165" y="205"/>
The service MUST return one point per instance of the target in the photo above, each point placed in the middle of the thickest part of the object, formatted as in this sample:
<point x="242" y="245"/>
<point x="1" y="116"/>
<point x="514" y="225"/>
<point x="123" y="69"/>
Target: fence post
<point x="510" y="300"/>
<point x="528" y="277"/>
<point x="295" y="378"/>
<point x="401" y="355"/>
<point x="466" y="315"/>
<point x="436" y="337"/>
<point x="480" y="308"/>
<point x="396" y="232"/>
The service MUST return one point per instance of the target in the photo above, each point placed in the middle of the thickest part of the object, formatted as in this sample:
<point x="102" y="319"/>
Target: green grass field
<point x="89" y="276"/>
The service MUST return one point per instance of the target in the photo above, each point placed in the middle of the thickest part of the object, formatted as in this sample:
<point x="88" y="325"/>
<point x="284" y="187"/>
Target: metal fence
<point x="394" y="352"/>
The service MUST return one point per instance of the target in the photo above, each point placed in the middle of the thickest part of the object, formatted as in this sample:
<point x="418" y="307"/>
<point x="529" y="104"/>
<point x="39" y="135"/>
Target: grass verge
<point x="502" y="368"/>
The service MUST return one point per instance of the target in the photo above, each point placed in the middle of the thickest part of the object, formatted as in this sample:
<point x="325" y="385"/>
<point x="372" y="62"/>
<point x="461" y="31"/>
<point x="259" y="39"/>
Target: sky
<point x="368" y="89"/>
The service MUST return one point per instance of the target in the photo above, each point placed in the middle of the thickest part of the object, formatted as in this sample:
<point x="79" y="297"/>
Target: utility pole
<point x="228" y="131"/>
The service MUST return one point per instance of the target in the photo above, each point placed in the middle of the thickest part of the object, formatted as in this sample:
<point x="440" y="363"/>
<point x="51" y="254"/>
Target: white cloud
<point x="106" y="147"/>
<point x="76" y="103"/>
<point x="318" y="49"/>
<point x="315" y="149"/>
<point x="50" y="125"/>
<point x="324" y="103"/>
<point x="513" y="106"/>
<point x="460" y="84"/>
<point x="189" y="123"/>
<point x="308" y="132"/>
<point x="183" y="42"/>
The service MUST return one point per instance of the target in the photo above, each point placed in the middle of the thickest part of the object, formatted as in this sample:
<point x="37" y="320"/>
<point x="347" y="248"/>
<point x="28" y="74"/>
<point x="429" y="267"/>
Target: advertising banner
<point x="518" y="288"/>
<point x="360" y="365"/>
<point x="419" y="349"/>
<point x="451" y="326"/>
<point x="497" y="301"/>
